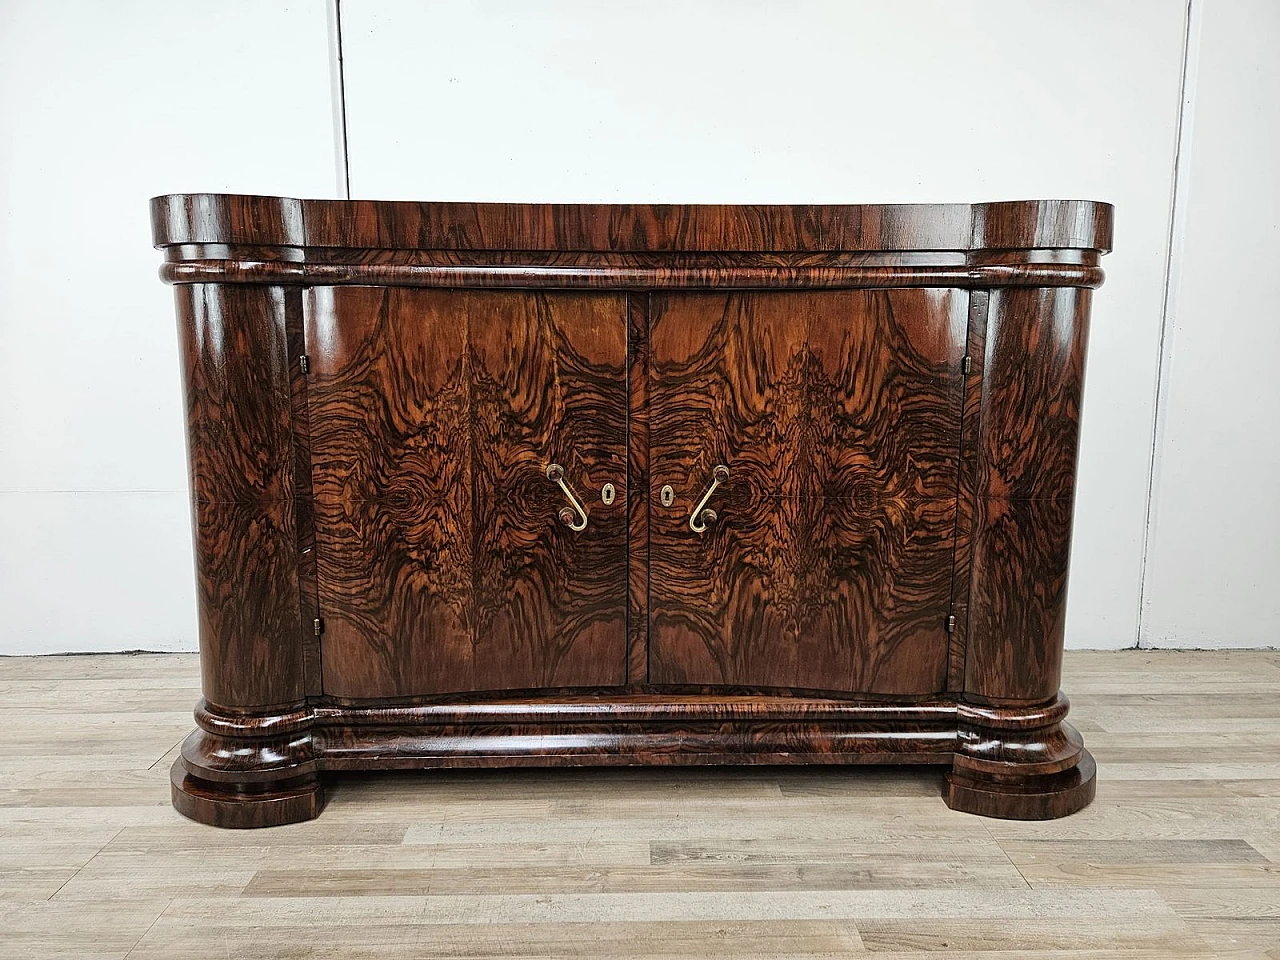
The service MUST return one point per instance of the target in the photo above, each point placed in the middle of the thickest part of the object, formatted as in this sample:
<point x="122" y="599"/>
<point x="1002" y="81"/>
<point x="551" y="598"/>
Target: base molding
<point x="226" y="805"/>
<point x="1032" y="797"/>
<point x="250" y="770"/>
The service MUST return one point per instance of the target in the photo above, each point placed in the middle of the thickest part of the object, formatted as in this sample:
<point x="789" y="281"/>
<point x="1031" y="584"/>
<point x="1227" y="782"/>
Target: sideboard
<point x="557" y="484"/>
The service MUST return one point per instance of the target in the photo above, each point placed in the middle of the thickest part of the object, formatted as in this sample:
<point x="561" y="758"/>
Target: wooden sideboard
<point x="545" y="485"/>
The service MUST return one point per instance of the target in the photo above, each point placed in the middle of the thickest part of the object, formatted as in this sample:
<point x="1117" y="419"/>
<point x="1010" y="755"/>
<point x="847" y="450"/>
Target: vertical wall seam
<point x="338" y="94"/>
<point x="1172" y="279"/>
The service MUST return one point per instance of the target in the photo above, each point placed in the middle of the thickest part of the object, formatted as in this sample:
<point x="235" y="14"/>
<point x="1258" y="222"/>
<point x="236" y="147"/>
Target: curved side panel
<point x="1025" y="225"/>
<point x="240" y="452"/>
<point x="226" y="218"/>
<point x="1025" y="488"/>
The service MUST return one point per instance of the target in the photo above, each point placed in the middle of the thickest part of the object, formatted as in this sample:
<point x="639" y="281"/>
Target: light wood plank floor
<point x="1178" y="857"/>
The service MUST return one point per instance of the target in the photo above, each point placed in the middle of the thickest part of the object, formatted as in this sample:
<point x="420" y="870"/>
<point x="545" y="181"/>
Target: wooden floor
<point x="1178" y="857"/>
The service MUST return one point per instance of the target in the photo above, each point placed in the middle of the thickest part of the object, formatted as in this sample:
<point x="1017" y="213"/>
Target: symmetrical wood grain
<point x="838" y="416"/>
<point x="397" y="493"/>
<point x="442" y="565"/>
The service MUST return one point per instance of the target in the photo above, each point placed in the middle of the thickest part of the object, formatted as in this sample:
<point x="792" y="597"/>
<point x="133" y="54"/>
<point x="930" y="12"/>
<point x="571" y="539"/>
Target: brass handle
<point x="718" y="476"/>
<point x="576" y="518"/>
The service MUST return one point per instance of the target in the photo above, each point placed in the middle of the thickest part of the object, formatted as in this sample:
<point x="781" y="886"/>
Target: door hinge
<point x="966" y="364"/>
<point x="951" y="623"/>
<point x="304" y="363"/>
<point x="318" y="625"/>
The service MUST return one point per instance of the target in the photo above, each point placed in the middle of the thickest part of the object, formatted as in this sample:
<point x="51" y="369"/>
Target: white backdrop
<point x="102" y="106"/>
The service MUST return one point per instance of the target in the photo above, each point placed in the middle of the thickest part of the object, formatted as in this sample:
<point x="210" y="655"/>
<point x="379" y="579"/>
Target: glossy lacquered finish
<point x="443" y="564"/>
<point x="428" y="440"/>
<point x="838" y="412"/>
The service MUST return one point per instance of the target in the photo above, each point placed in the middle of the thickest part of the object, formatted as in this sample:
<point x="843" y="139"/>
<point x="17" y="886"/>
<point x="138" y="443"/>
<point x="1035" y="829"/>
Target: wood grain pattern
<point x="235" y="360"/>
<point x="442" y="566"/>
<point x="588" y="272"/>
<point x="1022" y="494"/>
<point x="1046" y="797"/>
<point x="1005" y="225"/>
<point x="966" y="499"/>
<point x="619" y="729"/>
<point x="838" y="416"/>
<point x="247" y="602"/>
<point x="1175" y="859"/>
<point x="1024" y="489"/>
<point x="1022" y="546"/>
<point x="399" y="491"/>
<point x="638" y="485"/>
<point x="272" y="807"/>
<point x="304" y="502"/>
<point x="1036" y="345"/>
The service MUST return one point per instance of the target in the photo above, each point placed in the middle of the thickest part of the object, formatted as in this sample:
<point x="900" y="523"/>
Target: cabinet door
<point x="829" y="566"/>
<point x="442" y="563"/>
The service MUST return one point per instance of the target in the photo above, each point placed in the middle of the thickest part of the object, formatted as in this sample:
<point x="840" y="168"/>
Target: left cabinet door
<point x="443" y="565"/>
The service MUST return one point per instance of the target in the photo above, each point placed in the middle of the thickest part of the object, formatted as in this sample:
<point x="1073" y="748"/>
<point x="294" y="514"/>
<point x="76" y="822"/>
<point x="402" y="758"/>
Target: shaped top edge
<point x="199" y="218"/>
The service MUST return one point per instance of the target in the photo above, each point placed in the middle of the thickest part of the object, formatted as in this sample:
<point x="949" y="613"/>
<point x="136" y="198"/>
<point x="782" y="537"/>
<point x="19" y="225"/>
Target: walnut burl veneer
<point x="544" y="485"/>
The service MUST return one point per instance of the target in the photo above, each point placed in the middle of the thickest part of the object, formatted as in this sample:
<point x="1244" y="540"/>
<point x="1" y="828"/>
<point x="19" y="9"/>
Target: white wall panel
<point x="103" y="105"/>
<point x="815" y="101"/>
<point x="95" y="572"/>
<point x="1214" y="563"/>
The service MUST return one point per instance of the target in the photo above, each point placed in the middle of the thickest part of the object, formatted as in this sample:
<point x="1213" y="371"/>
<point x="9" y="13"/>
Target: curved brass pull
<point x="718" y="476"/>
<point x="574" y="518"/>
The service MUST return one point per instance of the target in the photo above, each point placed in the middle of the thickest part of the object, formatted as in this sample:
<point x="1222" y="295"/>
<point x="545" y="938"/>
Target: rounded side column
<point x="1020" y="763"/>
<point x="1017" y="757"/>
<point x="248" y="770"/>
<point x="240" y="768"/>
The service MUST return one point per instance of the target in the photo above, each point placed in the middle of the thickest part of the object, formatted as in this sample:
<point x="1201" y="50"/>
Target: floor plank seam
<point x="160" y="759"/>
<point x="1005" y="853"/>
<point x="1178" y="856"/>
<point x="82" y="866"/>
<point x="150" y="927"/>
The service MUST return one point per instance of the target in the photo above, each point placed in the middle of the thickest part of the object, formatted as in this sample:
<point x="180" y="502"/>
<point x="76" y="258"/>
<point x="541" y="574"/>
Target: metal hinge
<point x="951" y="623"/>
<point x="318" y="624"/>
<point x="304" y="362"/>
<point x="966" y="364"/>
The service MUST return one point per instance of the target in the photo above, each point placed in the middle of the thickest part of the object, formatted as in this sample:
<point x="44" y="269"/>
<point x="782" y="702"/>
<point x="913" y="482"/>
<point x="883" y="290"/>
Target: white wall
<point x="816" y="101"/>
<point x="1213" y="571"/>
<point x="102" y="106"/>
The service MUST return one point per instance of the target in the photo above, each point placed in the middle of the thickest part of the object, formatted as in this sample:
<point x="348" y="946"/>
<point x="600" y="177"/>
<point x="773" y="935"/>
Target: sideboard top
<point x="199" y="218"/>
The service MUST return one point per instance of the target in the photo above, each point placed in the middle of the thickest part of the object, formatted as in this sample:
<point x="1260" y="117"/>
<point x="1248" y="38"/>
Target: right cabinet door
<point x="829" y="563"/>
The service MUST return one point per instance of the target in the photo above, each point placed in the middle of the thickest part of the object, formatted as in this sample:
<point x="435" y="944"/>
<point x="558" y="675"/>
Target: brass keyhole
<point x="607" y="494"/>
<point x="667" y="495"/>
